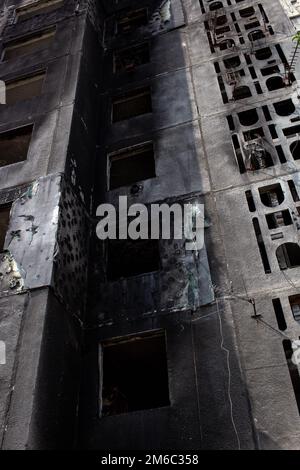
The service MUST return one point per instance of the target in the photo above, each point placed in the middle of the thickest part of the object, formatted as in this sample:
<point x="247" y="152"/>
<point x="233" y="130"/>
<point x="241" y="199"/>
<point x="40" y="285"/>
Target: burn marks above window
<point x="131" y="165"/>
<point x="14" y="145"/>
<point x="134" y="373"/>
<point x="127" y="60"/>
<point x="131" y="104"/>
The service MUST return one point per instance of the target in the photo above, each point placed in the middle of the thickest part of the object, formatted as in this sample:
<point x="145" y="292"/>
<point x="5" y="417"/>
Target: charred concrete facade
<point x="161" y="101"/>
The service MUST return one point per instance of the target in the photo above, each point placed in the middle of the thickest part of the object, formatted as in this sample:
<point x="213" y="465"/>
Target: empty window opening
<point x="261" y="246"/>
<point x="263" y="13"/>
<point x="275" y="83"/>
<point x="222" y="30"/>
<point x="295" y="149"/>
<point x="127" y="258"/>
<point x="238" y="153"/>
<point x="273" y="131"/>
<point x="222" y="89"/>
<point x="128" y="59"/>
<point x="237" y="28"/>
<point x="132" y="104"/>
<point x="132" y="21"/>
<point x="288" y="255"/>
<point x="135" y="373"/>
<point x="279" y="314"/>
<point x="252" y="73"/>
<point x="295" y="306"/>
<point x="267" y="113"/>
<point x="241" y="92"/>
<point x="258" y="88"/>
<point x="250" y="201"/>
<point x="4" y="222"/>
<point x="291" y="131"/>
<point x="269" y="70"/>
<point x="217" y="67"/>
<point x="230" y="122"/>
<point x="281" y="54"/>
<point x="293" y="370"/>
<point x="24" y="88"/>
<point x="232" y="63"/>
<point x="242" y="40"/>
<point x="280" y="154"/>
<point x="215" y="6"/>
<point x="248" y="118"/>
<point x="202" y="7"/>
<point x="256" y="35"/>
<point x="38" y="8"/>
<point x="284" y="108"/>
<point x="131" y="165"/>
<point x="271" y="196"/>
<point x="233" y="16"/>
<point x="14" y="145"/>
<point x="279" y="219"/>
<point x="28" y="44"/>
<point x="293" y="191"/>
<point x="246" y="12"/>
<point x="252" y="25"/>
<point x="263" y="54"/>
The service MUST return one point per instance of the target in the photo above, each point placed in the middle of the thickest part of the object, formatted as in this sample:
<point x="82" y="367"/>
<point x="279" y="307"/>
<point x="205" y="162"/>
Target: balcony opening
<point x="14" y="145"/>
<point x="131" y="104"/>
<point x="263" y="54"/>
<point x="221" y="20"/>
<point x="129" y="166"/>
<point x="248" y="118"/>
<point x="132" y="21"/>
<point x="271" y="196"/>
<point x="279" y="314"/>
<point x="288" y="255"/>
<point x="275" y="83"/>
<point x="293" y="370"/>
<point x="4" y="222"/>
<point x="28" y="44"/>
<point x="295" y="306"/>
<point x="128" y="258"/>
<point x="284" y="108"/>
<point x="38" y="8"/>
<point x="226" y="44"/>
<point x="134" y="373"/>
<point x="127" y="60"/>
<point x="295" y="149"/>
<point x="279" y="219"/>
<point x="24" y="88"/>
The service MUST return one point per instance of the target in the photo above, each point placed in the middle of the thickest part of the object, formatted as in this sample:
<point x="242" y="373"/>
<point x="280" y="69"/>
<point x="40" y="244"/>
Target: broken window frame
<point x="127" y="153"/>
<point x="164" y="369"/>
<point x="131" y="96"/>
<point x="145" y="17"/>
<point x="144" y="47"/>
<point x="16" y="130"/>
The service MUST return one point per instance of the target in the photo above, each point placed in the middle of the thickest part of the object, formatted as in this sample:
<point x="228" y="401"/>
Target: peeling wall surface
<point x="223" y="122"/>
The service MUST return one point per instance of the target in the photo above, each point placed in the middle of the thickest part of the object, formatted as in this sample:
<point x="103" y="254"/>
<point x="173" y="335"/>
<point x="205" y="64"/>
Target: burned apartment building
<point x="144" y="345"/>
